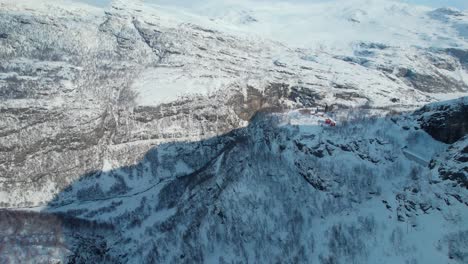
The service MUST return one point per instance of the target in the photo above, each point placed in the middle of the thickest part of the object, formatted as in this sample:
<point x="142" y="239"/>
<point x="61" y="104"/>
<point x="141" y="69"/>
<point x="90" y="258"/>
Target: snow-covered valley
<point x="233" y="133"/>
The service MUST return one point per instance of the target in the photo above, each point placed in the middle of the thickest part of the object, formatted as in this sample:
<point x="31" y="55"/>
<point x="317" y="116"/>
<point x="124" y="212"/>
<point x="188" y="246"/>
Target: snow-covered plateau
<point x="233" y="132"/>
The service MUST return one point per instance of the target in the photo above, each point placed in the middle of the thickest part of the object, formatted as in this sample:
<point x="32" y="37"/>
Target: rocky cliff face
<point x="452" y="164"/>
<point x="445" y="122"/>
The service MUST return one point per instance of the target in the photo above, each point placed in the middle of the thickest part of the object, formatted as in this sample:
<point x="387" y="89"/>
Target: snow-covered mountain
<point x="331" y="24"/>
<point x="143" y="133"/>
<point x="285" y="188"/>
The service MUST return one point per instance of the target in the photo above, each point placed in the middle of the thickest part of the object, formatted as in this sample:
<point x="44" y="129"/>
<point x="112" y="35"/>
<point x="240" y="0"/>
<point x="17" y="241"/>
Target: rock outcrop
<point x="447" y="121"/>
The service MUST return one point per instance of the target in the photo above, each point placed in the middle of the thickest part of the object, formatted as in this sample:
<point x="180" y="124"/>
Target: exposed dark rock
<point x="279" y="64"/>
<point x="430" y="83"/>
<point x="373" y="45"/>
<point x="446" y="122"/>
<point x="304" y="96"/>
<point x="444" y="13"/>
<point x="352" y="59"/>
<point x="457" y="176"/>
<point x="246" y="107"/>
<point x="350" y="95"/>
<point x="319" y="153"/>
<point x="461" y="55"/>
<point x="452" y="165"/>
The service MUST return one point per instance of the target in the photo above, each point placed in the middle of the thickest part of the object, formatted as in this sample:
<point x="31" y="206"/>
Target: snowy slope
<point x="133" y="76"/>
<point x="185" y="54"/>
<point x="274" y="191"/>
<point x="333" y="24"/>
<point x="380" y="42"/>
